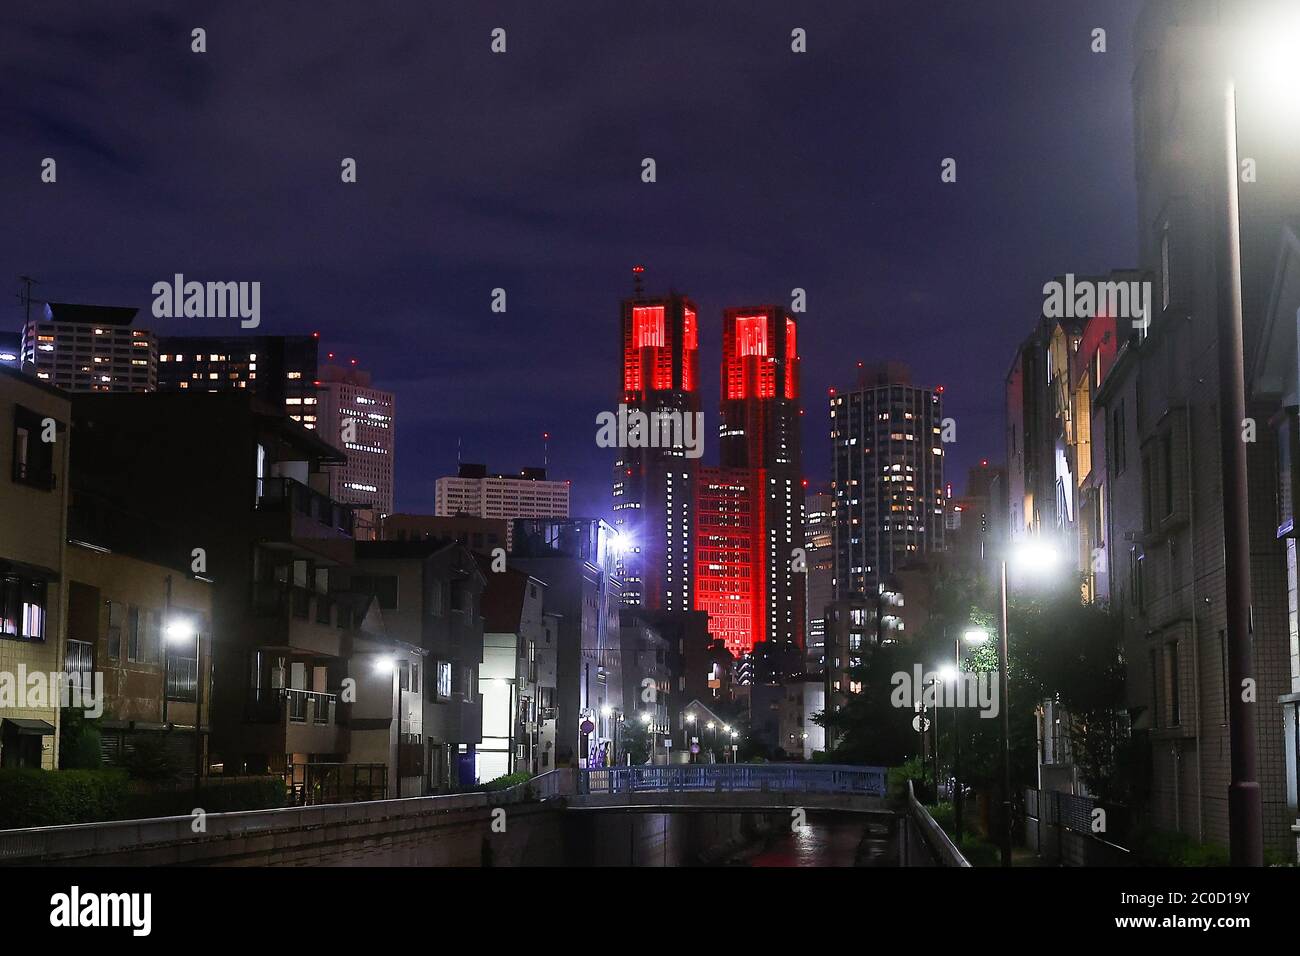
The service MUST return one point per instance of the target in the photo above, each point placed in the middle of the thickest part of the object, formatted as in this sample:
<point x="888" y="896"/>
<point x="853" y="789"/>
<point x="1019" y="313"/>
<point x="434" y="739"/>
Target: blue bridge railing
<point x="797" y="778"/>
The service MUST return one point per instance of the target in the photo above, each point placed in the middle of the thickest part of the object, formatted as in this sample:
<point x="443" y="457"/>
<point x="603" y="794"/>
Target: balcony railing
<point x="284" y="494"/>
<point x="80" y="657"/>
<point x="275" y="598"/>
<point x="271" y="705"/>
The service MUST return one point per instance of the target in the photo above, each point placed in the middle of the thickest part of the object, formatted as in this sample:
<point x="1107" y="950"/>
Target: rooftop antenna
<point x="638" y="280"/>
<point x="458" y="451"/>
<point x="25" y="297"/>
<point x="546" y="449"/>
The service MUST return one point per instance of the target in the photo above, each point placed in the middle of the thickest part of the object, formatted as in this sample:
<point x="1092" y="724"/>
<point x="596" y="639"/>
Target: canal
<point x="826" y="839"/>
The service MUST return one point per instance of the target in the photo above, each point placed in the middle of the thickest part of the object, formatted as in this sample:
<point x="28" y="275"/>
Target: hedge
<point x="42" y="798"/>
<point x="30" y="797"/>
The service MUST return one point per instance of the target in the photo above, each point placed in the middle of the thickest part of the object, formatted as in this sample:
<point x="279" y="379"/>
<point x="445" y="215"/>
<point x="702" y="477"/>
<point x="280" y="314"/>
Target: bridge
<point x="717" y="787"/>
<point x="457" y="829"/>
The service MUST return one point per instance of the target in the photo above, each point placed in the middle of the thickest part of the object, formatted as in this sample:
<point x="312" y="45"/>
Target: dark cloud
<point x="522" y="171"/>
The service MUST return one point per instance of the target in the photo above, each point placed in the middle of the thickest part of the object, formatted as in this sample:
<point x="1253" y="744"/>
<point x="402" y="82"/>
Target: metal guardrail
<point x="924" y="842"/>
<point x="799" y="778"/>
<point x="126" y="836"/>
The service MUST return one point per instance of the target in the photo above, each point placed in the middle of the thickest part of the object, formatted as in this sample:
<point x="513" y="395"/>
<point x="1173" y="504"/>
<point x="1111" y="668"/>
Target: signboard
<point x="587" y="726"/>
<point x="695" y="748"/>
<point x="920" y="723"/>
<point x="668" y="743"/>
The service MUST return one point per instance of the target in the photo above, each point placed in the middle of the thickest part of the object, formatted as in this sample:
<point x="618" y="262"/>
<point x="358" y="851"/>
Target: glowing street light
<point x="180" y="629"/>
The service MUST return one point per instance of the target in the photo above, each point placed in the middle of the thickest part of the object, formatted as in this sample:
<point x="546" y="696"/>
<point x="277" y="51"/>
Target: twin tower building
<point x="726" y="539"/>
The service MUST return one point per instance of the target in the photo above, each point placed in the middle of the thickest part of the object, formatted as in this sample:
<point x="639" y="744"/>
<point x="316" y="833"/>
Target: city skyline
<point x="887" y="264"/>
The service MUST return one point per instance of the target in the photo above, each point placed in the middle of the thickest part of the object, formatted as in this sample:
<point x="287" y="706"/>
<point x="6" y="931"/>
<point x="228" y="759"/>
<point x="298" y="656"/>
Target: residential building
<point x="514" y="638"/>
<point x="480" y="535"/>
<point x="526" y="495"/>
<point x="650" y="671"/>
<point x="89" y="348"/>
<point x="887" y="476"/>
<point x="34" y="420"/>
<point x="430" y="597"/>
<point x="232" y="489"/>
<point x="145" y="631"/>
<point x="819" y="557"/>
<point x="280" y="369"/>
<point x="576" y="559"/>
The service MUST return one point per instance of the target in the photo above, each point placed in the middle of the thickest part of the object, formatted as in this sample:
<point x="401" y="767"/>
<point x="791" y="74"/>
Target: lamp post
<point x="973" y="636"/>
<point x="1245" y="804"/>
<point x="1039" y="557"/>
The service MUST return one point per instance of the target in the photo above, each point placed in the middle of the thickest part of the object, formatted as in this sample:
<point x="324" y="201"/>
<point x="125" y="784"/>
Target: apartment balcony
<point x="286" y="720"/>
<point x="300" y="620"/>
<point x="295" y="517"/>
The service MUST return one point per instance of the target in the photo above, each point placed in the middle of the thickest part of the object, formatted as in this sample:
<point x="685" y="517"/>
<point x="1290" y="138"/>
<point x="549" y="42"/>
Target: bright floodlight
<point x="690" y="718"/>
<point x="1035" y="555"/>
<point x="606" y="711"/>
<point x="383" y="664"/>
<point x="179" y="629"/>
<point x="645" y="718"/>
<point x="734" y="735"/>
<point x="976" y="635"/>
<point x="948" y="672"/>
<point x="1266" y="56"/>
<point x="709" y="725"/>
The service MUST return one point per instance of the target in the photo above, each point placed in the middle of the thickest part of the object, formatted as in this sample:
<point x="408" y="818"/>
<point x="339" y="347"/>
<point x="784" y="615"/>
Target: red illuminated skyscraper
<point x="759" y="439"/>
<point x="654" y="486"/>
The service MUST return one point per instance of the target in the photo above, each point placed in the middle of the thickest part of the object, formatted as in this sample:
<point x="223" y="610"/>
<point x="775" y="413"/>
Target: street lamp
<point x="1038" y="556"/>
<point x="1269" y="51"/>
<point x="686" y="735"/>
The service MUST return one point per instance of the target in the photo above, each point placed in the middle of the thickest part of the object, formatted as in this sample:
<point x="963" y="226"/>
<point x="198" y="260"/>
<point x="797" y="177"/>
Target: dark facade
<point x="231" y="489"/>
<point x="279" y="369"/>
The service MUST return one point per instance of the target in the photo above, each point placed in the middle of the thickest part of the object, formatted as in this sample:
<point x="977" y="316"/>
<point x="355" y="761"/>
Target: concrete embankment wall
<point x="522" y="834"/>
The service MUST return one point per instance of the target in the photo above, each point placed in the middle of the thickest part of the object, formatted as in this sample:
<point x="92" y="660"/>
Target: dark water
<point x="836" y="839"/>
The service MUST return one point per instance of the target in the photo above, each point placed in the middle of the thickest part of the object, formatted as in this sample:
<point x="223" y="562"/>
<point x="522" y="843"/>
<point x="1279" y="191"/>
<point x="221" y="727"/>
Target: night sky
<point x="522" y="171"/>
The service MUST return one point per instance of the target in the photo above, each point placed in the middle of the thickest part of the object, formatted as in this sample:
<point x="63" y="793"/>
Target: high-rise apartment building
<point x="527" y="495"/>
<point x="360" y="419"/>
<point x="654" y="486"/>
<point x="729" y="580"/>
<point x="89" y="348"/>
<point x="819" y="558"/>
<point x="887" y="470"/>
<point x="281" y="369"/>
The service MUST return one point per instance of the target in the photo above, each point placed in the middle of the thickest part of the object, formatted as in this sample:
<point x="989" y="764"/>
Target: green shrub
<point x="79" y="741"/>
<point x="1164" y="848"/>
<point x="916" y="770"/>
<point x="980" y="852"/>
<point x="943" y="814"/>
<point x="43" y="798"/>
<point x="507" y="781"/>
<point x="153" y="759"/>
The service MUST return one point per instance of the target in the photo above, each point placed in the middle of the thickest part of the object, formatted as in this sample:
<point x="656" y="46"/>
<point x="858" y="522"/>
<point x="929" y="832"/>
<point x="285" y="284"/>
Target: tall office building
<point x="887" y="466"/>
<point x="526" y="495"/>
<point x="359" y="419"/>
<point x="819" y="550"/>
<point x="89" y="348"/>
<point x="759" y="441"/>
<point x="729" y="579"/>
<point x="654" y="486"/>
<point x="279" y="368"/>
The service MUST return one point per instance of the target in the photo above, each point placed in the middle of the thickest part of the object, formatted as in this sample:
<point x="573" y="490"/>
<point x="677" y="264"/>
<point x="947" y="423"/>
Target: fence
<point x="1067" y="829"/>
<point x="799" y="778"/>
<point x="922" y="841"/>
<point x="128" y="836"/>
